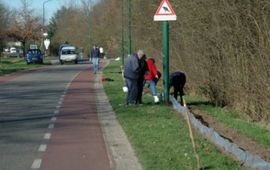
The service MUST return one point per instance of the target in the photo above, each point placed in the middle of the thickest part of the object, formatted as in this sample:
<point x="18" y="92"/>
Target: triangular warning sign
<point x="165" y="12"/>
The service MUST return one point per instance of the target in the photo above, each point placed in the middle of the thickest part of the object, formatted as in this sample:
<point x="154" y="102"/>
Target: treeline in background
<point x="222" y="45"/>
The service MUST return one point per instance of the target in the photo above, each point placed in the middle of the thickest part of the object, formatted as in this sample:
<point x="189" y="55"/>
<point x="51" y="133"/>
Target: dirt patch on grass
<point x="232" y="135"/>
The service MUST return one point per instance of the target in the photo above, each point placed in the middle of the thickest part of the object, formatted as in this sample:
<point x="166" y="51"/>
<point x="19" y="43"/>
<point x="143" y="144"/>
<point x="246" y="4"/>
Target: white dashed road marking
<point x="36" y="164"/>
<point x="42" y="148"/>
<point x="56" y="112"/>
<point x="47" y="136"/>
<point x="51" y="126"/>
<point x="53" y="119"/>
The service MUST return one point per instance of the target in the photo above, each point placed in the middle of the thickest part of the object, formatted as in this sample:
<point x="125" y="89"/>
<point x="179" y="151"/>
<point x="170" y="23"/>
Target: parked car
<point x="6" y="50"/>
<point x="13" y="52"/>
<point x="68" y="53"/>
<point x="34" y="56"/>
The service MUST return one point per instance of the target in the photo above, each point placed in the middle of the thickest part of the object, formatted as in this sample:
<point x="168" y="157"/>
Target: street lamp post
<point x="43" y="18"/>
<point x="129" y="27"/>
<point x="43" y="22"/>
<point x="122" y="37"/>
<point x="90" y="26"/>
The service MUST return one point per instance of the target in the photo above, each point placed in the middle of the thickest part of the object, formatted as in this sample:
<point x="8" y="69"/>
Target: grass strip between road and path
<point x="10" y="65"/>
<point x="158" y="134"/>
<point x="233" y="120"/>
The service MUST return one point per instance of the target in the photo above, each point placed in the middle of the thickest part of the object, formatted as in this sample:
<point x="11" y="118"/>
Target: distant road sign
<point x="165" y="12"/>
<point x="46" y="43"/>
<point x="33" y="46"/>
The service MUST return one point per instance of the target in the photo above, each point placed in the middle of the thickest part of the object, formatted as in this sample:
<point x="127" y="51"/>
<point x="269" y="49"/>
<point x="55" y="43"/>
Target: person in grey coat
<point x="131" y="74"/>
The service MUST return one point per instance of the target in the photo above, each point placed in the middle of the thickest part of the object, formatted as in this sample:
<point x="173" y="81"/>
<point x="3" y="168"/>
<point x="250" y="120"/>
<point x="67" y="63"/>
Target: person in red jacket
<point x="152" y="76"/>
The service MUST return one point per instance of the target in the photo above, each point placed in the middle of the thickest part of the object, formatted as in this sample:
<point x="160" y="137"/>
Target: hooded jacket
<point x="152" y="70"/>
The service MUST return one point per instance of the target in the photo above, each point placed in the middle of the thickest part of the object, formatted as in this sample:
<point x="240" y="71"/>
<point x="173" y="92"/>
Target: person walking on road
<point x="95" y="55"/>
<point x="131" y="75"/>
<point x="152" y="77"/>
<point x="178" y="81"/>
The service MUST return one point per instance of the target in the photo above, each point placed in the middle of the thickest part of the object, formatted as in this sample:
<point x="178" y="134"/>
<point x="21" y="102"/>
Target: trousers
<point x="132" y="91"/>
<point x="95" y="64"/>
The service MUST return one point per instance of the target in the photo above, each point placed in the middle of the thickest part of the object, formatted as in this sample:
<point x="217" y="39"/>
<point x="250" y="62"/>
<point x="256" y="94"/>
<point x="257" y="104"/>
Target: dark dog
<point x="178" y="81"/>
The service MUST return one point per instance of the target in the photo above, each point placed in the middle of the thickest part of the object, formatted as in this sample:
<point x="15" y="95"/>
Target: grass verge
<point x="233" y="120"/>
<point x="10" y="65"/>
<point x="158" y="134"/>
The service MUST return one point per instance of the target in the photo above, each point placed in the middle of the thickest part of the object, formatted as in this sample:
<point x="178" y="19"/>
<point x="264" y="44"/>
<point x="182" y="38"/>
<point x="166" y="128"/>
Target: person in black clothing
<point x="142" y="71"/>
<point x="178" y="81"/>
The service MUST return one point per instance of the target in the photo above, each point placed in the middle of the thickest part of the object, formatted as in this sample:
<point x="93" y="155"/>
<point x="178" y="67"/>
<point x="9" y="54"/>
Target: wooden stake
<point x="191" y="135"/>
<point x="122" y="73"/>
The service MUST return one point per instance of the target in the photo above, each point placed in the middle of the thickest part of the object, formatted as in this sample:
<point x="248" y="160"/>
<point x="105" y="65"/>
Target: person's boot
<point x="156" y="99"/>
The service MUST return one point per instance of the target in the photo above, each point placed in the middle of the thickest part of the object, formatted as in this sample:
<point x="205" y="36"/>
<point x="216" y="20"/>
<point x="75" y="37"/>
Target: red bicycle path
<point x="77" y="141"/>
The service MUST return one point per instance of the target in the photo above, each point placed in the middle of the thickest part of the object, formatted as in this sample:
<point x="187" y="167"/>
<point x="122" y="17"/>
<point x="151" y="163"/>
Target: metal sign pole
<point x="165" y="13"/>
<point x="166" y="62"/>
<point x="122" y="38"/>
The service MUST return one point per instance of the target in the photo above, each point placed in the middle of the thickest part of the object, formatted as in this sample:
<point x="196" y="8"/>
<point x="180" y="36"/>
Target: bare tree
<point x="4" y="17"/>
<point x="87" y="7"/>
<point x="25" y="27"/>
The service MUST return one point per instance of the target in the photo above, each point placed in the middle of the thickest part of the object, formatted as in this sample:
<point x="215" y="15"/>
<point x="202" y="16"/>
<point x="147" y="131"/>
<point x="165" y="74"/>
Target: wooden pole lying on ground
<point x="191" y="134"/>
<point x="122" y="73"/>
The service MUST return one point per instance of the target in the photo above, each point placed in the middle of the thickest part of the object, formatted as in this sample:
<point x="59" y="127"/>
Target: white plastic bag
<point x="125" y="89"/>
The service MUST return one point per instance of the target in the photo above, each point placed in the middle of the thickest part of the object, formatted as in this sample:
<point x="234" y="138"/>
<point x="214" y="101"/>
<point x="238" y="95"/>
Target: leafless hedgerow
<point x="222" y="45"/>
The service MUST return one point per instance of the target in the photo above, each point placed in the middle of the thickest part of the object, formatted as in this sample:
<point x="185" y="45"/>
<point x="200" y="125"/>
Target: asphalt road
<point x="28" y="105"/>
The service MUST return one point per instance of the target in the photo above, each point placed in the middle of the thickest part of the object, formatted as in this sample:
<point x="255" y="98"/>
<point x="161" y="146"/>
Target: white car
<point x="13" y="52"/>
<point x="68" y="53"/>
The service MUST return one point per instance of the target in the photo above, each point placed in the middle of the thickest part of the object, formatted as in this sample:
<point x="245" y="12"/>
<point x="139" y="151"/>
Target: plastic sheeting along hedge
<point x="245" y="157"/>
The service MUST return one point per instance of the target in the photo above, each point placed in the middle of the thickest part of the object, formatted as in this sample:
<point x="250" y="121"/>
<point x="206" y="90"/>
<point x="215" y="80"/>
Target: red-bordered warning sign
<point x="165" y="12"/>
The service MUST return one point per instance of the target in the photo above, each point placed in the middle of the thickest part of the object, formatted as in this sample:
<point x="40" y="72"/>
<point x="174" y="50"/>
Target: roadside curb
<point x="121" y="153"/>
